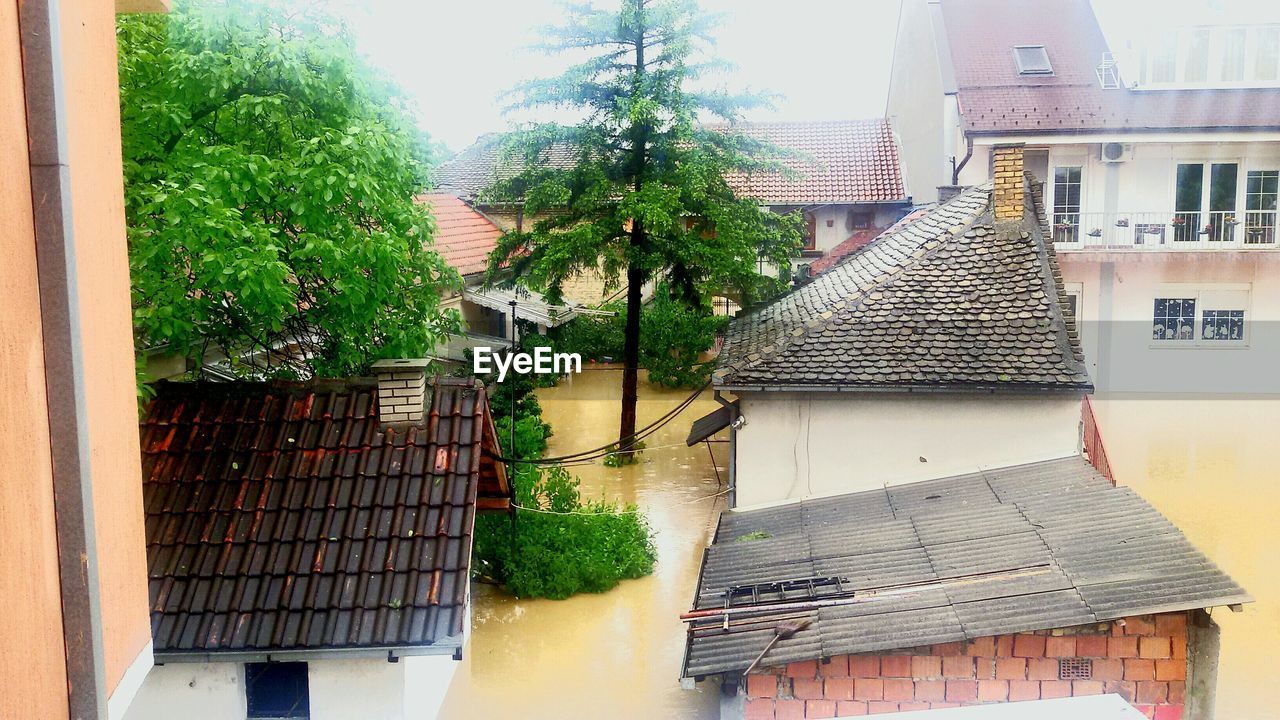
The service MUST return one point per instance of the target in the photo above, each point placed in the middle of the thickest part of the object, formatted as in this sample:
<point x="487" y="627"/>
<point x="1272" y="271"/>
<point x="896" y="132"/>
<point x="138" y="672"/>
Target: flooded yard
<point x="1210" y="466"/>
<point x="616" y="654"/>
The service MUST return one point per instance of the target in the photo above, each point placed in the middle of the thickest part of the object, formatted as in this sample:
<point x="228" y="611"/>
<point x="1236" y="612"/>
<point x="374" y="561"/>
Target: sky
<point x="829" y="59"/>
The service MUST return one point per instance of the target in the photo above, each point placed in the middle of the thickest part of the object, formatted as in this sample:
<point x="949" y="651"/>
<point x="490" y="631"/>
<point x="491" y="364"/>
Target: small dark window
<point x="1032" y="60"/>
<point x="277" y="690"/>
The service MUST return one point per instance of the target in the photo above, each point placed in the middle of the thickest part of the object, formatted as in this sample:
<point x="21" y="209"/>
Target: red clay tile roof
<point x="841" y="161"/>
<point x="464" y="237"/>
<point x="994" y="98"/>
<point x="842" y="250"/>
<point x="283" y="518"/>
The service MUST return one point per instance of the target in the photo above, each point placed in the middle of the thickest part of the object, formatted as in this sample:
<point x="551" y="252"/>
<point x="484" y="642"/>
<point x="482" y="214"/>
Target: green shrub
<point x="591" y="547"/>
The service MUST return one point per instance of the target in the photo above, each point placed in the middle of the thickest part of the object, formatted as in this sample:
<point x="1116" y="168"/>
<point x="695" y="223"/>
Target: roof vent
<point x="1032" y="60"/>
<point x="1108" y="72"/>
<point x="402" y="390"/>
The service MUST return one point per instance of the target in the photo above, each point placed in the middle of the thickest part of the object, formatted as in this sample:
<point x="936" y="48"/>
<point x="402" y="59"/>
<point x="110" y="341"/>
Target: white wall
<point x="917" y="106"/>
<point x="367" y="688"/>
<point x="804" y="444"/>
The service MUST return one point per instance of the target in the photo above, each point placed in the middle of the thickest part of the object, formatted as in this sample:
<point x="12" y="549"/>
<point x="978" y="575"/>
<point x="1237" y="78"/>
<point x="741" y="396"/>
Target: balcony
<point x="1165" y="231"/>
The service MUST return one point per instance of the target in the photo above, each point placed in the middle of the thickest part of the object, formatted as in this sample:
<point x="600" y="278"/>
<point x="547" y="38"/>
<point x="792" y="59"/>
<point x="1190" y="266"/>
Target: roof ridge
<point x="925" y="249"/>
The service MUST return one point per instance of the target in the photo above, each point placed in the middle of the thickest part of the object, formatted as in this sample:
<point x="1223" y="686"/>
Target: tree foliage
<point x="269" y="185"/>
<point x="646" y="196"/>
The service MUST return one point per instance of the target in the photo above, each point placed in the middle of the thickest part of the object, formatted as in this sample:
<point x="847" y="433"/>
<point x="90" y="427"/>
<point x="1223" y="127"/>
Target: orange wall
<point x="32" y="660"/>
<point x="93" y="111"/>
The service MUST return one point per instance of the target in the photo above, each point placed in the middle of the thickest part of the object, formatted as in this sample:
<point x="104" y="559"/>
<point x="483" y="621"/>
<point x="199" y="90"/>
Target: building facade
<point x="1160" y="149"/>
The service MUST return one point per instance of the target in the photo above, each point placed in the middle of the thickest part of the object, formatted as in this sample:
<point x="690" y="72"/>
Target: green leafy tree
<point x="269" y="189"/>
<point x="646" y="197"/>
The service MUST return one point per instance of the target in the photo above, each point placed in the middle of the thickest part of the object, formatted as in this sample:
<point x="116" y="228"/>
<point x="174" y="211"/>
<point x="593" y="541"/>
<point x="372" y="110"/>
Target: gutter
<point x="937" y="390"/>
<point x="733" y="447"/>
<point x="390" y="653"/>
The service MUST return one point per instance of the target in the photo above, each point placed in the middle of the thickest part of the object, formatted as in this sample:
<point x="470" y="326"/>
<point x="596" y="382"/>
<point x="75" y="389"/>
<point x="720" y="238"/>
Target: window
<point x="1075" y="291"/>
<point x="1196" y="69"/>
<point x="1032" y="60"/>
<point x="1233" y="45"/>
<point x="1164" y="60"/>
<point x="1209" y="317"/>
<point x="1260" y="194"/>
<point x="1267" y="59"/>
<point x="277" y="690"/>
<point x="810" y="231"/>
<point x="1066" y="203"/>
<point x="1205" y="211"/>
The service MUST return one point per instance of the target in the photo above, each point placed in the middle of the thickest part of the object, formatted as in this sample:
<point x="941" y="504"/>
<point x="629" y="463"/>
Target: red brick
<point x="881" y="708"/>
<point x="1108" y="669"/>
<point x="759" y="709"/>
<point x="1028" y="646"/>
<point x="1004" y="646"/>
<point x="1171" y="624"/>
<point x="931" y="690"/>
<point x="1125" y="689"/>
<point x="1055" y="689"/>
<point x="908" y="706"/>
<point x="806" y="669"/>
<point x="839" y="688"/>
<point x="1168" y="712"/>
<point x="762" y="686"/>
<point x="981" y="647"/>
<point x="1135" y="669"/>
<point x="899" y="689"/>
<point x="895" y="666"/>
<point x="1023" y="690"/>
<point x="1146" y="710"/>
<point x="924" y="666"/>
<point x="1154" y="647"/>
<point x="1171" y="669"/>
<point x="820" y="709"/>
<point x="868" y="689"/>
<point x="957" y="666"/>
<point x="1152" y="692"/>
<point x="789" y="709"/>
<point x="1086" y="687"/>
<point x="962" y="690"/>
<point x="986" y="668"/>
<point x="1008" y="668"/>
<point x="1091" y="646"/>
<point x="837" y="667"/>
<point x="1180" y="648"/>
<point x="864" y="666"/>
<point x="1122" y="647"/>
<point x="807" y="688"/>
<point x="1042" y="669"/>
<point x="1059" y="647"/>
<point x="1177" y="692"/>
<point x="847" y="709"/>
<point x="993" y="690"/>
<point x="954" y="648"/>
<point x="1139" y="625"/>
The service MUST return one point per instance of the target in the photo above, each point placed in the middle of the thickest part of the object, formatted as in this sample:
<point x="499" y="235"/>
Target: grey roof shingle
<point x="1058" y="544"/>
<point x="944" y="302"/>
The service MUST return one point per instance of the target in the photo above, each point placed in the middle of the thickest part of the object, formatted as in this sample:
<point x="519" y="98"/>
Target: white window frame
<point x="1075" y="290"/>
<point x="1144" y="54"/>
<point x="1199" y="292"/>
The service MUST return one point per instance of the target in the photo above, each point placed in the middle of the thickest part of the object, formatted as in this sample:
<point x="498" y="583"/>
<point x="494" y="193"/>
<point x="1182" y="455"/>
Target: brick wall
<point x="1006" y="172"/>
<point x="1143" y="659"/>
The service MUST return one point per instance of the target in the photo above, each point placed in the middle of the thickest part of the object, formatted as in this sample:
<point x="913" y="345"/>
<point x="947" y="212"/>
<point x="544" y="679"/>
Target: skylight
<point x="1032" y="60"/>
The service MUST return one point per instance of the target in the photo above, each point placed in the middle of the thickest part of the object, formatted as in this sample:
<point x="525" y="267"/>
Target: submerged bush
<point x="586" y="546"/>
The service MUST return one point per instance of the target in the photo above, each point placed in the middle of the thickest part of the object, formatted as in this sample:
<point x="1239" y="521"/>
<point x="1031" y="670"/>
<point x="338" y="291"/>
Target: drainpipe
<point x="968" y="153"/>
<point x="733" y="448"/>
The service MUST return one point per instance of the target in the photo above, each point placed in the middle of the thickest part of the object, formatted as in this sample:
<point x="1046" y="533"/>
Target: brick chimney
<point x="402" y="390"/>
<point x="1006" y="171"/>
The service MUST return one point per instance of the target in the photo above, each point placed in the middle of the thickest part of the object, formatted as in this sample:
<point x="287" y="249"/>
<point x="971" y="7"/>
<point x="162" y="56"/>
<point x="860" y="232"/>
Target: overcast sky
<point x="829" y="58"/>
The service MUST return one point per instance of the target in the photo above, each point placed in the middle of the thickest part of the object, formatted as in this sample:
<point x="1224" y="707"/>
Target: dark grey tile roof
<point x="944" y="302"/>
<point x="1045" y="545"/>
<point x="469" y="173"/>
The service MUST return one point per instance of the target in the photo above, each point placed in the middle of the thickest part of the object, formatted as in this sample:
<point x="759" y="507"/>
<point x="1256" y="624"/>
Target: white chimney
<point x="402" y="390"/>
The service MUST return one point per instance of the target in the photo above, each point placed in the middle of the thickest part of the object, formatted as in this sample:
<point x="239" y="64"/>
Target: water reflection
<point x="616" y="654"/>
<point x="1209" y="466"/>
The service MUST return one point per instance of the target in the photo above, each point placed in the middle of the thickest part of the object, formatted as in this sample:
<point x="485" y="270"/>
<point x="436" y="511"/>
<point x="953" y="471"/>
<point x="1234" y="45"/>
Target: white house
<point x="309" y="545"/>
<point x="941" y="348"/>
<point x="1160" y="146"/>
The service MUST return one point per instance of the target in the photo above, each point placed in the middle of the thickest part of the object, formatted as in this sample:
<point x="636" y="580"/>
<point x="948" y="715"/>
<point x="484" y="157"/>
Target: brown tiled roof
<point x="464" y="237"/>
<point x="283" y="518"/>
<point x="858" y="239"/>
<point x="838" y="161"/>
<point x="943" y="302"/>
<point x="994" y="98"/>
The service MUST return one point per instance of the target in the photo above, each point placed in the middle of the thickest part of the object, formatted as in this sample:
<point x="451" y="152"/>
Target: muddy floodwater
<point x="617" y="654"/>
<point x="1210" y="465"/>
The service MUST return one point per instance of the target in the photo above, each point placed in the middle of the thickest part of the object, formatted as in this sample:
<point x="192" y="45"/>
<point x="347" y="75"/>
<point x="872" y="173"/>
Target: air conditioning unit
<point x="1114" y="152"/>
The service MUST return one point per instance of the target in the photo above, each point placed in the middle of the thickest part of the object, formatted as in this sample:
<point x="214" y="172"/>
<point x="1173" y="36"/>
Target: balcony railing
<point x="1165" y="231"/>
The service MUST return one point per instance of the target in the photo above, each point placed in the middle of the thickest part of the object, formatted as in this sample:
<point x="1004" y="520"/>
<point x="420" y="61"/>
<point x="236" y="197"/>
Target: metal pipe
<point x="733" y="448"/>
<point x="968" y="153"/>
